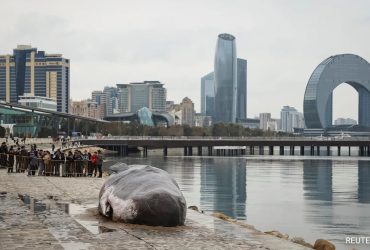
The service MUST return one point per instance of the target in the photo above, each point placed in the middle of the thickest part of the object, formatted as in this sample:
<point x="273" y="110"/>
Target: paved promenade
<point x="60" y="213"/>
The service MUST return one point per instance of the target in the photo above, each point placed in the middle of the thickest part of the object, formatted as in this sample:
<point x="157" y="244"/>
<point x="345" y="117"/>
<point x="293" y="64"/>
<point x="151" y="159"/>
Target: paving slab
<point x="43" y="212"/>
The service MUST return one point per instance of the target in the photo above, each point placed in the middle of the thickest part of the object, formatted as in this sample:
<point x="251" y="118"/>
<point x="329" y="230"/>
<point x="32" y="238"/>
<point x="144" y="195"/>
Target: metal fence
<point x="65" y="168"/>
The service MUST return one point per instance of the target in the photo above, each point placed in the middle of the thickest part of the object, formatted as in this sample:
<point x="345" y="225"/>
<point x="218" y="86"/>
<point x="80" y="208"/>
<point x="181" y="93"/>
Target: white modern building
<point x="38" y="102"/>
<point x="290" y="118"/>
<point x="264" y="119"/>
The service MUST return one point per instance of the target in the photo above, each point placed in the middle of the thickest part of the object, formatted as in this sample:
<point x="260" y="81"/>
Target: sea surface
<point x="309" y="197"/>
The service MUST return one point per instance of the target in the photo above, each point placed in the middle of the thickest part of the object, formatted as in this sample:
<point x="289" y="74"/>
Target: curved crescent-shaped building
<point x="225" y="79"/>
<point x="333" y="71"/>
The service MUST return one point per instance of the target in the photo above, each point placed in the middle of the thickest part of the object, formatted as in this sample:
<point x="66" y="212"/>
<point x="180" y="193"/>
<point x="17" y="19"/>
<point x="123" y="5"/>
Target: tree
<point x="187" y="130"/>
<point x="197" y="131"/>
<point x="219" y="129"/>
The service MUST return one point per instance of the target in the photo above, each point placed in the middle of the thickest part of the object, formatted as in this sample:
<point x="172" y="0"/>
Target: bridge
<point x="221" y="146"/>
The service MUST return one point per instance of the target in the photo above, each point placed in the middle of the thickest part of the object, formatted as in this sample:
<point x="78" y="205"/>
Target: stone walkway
<point x="36" y="213"/>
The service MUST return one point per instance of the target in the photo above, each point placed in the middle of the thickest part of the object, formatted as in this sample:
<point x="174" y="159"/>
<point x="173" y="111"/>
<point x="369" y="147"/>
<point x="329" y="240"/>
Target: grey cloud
<point x="174" y="41"/>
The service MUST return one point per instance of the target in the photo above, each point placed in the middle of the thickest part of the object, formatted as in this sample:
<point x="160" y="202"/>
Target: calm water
<point x="309" y="197"/>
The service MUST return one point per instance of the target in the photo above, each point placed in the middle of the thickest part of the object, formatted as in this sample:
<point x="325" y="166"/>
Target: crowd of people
<point x="43" y="162"/>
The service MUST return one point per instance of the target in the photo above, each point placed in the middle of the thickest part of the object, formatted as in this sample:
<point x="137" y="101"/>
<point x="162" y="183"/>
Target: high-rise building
<point x="111" y="100"/>
<point x="86" y="108"/>
<point x="230" y="83"/>
<point x="187" y="111"/>
<point x="99" y="97"/>
<point x="207" y="90"/>
<point x="241" y="93"/>
<point x="8" y="87"/>
<point x="264" y="120"/>
<point x="225" y="70"/>
<point x="33" y="72"/>
<point x="134" y="96"/>
<point x="290" y="118"/>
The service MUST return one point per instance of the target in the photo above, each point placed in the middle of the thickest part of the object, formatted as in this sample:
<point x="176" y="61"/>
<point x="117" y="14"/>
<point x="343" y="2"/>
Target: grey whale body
<point x="142" y="194"/>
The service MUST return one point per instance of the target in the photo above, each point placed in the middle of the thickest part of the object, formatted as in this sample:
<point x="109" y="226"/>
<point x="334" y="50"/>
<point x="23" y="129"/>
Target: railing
<point x="67" y="168"/>
<point x="246" y="138"/>
<point x="28" y="140"/>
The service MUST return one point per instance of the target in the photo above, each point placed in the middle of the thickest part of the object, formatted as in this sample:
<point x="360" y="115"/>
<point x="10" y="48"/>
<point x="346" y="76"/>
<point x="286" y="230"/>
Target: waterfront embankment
<point x="44" y="212"/>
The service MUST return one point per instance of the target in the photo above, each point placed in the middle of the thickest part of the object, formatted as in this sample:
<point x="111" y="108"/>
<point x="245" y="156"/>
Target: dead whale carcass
<point x="142" y="194"/>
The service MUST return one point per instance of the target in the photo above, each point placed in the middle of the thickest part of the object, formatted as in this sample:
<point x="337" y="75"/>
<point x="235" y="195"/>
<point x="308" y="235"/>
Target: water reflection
<point x="33" y="204"/>
<point x="309" y="197"/>
<point x="317" y="180"/>
<point x="223" y="186"/>
<point x="363" y="182"/>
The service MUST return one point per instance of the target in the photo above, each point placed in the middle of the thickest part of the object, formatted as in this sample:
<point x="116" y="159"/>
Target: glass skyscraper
<point x="207" y="99"/>
<point x="228" y="100"/>
<point x="241" y="94"/>
<point x="329" y="74"/>
<point x="35" y="73"/>
<point x="225" y="70"/>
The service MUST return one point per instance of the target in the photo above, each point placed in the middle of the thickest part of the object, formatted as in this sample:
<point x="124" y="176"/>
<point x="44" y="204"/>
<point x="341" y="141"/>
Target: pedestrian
<point x="47" y="163"/>
<point x="89" y="166"/>
<point x="11" y="153"/>
<point x="41" y="164"/>
<point x="3" y="155"/>
<point x="23" y="163"/>
<point x="52" y="148"/>
<point x="78" y="162"/>
<point x="33" y="164"/>
<point x="85" y="158"/>
<point x="58" y="159"/>
<point x="70" y="164"/>
<point x="100" y="163"/>
<point x="94" y="161"/>
<point x="17" y="159"/>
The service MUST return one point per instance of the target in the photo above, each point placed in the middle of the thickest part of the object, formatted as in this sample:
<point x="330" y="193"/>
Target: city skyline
<point x="183" y="49"/>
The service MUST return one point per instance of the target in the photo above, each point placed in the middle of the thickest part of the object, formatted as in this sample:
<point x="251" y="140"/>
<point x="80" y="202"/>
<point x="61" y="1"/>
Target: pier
<point x="235" y="146"/>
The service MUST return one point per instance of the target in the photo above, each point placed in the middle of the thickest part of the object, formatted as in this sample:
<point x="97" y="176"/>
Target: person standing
<point x="90" y="167"/>
<point x="70" y="164"/>
<point x="34" y="163"/>
<point x="100" y="163"/>
<point x="3" y="155"/>
<point x="11" y="153"/>
<point x="58" y="159"/>
<point x="94" y="161"/>
<point x="17" y="159"/>
<point x="85" y="159"/>
<point x="48" y="168"/>
<point x="78" y="163"/>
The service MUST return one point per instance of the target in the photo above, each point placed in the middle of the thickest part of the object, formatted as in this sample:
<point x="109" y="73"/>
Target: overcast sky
<point x="172" y="41"/>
